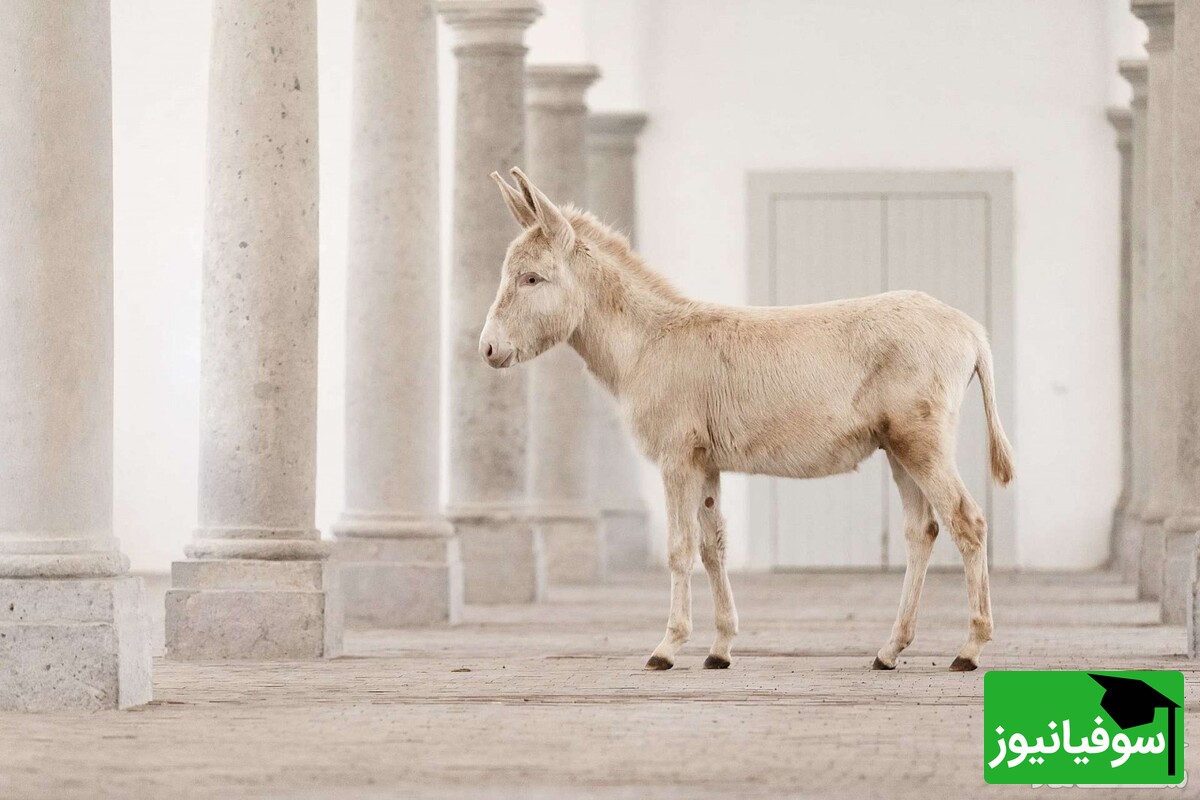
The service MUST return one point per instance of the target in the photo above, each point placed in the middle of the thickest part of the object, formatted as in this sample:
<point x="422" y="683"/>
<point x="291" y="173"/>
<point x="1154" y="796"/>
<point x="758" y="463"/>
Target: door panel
<point x="827" y="248"/>
<point x="939" y="244"/>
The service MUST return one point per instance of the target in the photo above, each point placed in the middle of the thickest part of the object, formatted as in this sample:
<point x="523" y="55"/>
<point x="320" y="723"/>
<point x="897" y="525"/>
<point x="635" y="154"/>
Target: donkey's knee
<point x="680" y="564"/>
<point x="922" y="534"/>
<point x="712" y="549"/>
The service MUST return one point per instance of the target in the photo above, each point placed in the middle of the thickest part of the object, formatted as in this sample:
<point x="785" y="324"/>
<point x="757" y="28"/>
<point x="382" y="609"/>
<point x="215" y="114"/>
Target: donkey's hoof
<point x="960" y="664"/>
<point x="877" y="664"/>
<point x="716" y="662"/>
<point x="658" y="663"/>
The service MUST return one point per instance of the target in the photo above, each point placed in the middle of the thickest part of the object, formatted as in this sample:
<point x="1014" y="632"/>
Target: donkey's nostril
<point x="489" y="351"/>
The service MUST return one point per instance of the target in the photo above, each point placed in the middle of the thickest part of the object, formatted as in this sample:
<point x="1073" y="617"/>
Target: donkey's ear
<point x="522" y="212"/>
<point x="552" y="221"/>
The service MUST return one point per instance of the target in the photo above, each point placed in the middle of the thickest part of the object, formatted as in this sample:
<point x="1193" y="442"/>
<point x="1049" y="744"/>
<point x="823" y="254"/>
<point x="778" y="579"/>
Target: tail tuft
<point x="1002" y="466"/>
<point x="998" y="446"/>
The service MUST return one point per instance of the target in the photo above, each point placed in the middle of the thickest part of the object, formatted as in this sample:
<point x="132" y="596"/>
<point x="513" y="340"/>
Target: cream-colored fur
<point x="800" y="392"/>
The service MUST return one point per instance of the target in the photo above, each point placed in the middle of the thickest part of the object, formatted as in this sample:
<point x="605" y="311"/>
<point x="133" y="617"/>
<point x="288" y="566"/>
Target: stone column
<point x="1136" y="486"/>
<point x="1122" y="122"/>
<point x="73" y="631"/>
<point x="256" y="584"/>
<point x="399" y="556"/>
<point x="561" y="463"/>
<point x="1158" y="16"/>
<point x="1183" y="526"/>
<point x="488" y="420"/>
<point x="612" y="196"/>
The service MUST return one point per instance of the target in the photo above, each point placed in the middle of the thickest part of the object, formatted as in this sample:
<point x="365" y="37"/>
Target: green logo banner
<point x="1109" y="728"/>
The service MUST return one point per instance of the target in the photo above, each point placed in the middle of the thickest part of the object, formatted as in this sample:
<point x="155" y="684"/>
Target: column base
<point x="1179" y="567"/>
<point x="575" y="550"/>
<point x="73" y="644"/>
<point x="1150" y="560"/>
<point x="401" y="582"/>
<point x="253" y="610"/>
<point x="1127" y="543"/>
<point x="503" y="559"/>
<point x="1193" y="626"/>
<point x="626" y="540"/>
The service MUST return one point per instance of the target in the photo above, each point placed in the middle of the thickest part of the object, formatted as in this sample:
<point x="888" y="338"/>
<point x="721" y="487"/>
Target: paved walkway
<point x="551" y="701"/>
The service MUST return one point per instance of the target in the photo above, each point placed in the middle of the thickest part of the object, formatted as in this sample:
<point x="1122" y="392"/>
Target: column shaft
<point x="1184" y="526"/>
<point x="1159" y="293"/>
<point x="612" y="196"/>
<point x="561" y="463"/>
<point x="488" y="421"/>
<point x="67" y="608"/>
<point x="1129" y="541"/>
<point x="257" y="543"/>
<point x="400" y="562"/>
<point x="1122" y="122"/>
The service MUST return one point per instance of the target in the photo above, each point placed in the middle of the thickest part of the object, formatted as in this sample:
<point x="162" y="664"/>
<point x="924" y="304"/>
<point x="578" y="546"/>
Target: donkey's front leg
<point x="712" y="553"/>
<point x="684" y="488"/>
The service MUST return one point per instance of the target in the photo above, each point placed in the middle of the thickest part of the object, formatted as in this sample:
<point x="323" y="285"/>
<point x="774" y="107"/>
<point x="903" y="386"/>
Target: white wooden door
<point x="824" y="236"/>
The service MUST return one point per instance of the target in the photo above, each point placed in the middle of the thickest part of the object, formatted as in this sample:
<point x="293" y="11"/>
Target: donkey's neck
<point x="610" y="343"/>
<point x="628" y="306"/>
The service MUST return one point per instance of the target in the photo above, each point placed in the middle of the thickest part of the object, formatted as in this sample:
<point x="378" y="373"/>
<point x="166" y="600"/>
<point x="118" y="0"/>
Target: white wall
<point x="160" y="84"/>
<point x="939" y="84"/>
<point x="729" y="87"/>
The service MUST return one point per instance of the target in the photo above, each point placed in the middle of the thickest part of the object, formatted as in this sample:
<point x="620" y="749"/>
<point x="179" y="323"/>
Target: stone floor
<point x="551" y="701"/>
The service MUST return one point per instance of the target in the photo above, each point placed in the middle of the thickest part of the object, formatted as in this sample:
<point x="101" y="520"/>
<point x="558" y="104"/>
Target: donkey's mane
<point x="620" y="254"/>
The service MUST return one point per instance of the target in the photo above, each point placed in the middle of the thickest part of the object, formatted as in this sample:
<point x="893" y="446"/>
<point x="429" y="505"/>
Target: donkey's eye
<point x="530" y="279"/>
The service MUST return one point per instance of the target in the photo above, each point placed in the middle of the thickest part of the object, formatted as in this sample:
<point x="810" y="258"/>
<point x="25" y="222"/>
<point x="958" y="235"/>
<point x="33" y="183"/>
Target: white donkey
<point x="798" y="392"/>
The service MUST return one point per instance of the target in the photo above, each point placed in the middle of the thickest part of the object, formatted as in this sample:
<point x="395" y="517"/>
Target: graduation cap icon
<point x="1132" y="702"/>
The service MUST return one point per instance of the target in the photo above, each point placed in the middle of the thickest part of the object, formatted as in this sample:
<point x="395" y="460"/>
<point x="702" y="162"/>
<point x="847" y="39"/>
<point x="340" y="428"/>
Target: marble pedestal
<point x="394" y="581"/>
<point x="1128" y="546"/>
<point x="73" y="644"/>
<point x="1151" y="559"/>
<point x="1179" y="572"/>
<point x="627" y="548"/>
<point x="252" y="609"/>
<point x="576" y="552"/>
<point x="503" y="559"/>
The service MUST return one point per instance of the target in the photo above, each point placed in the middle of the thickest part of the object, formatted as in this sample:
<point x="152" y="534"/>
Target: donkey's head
<point x="539" y="302"/>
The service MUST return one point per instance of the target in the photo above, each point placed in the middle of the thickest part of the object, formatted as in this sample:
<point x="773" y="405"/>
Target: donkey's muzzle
<point x="498" y="355"/>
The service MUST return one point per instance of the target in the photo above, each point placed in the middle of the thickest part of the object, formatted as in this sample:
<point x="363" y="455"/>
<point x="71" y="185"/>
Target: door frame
<point x="764" y="189"/>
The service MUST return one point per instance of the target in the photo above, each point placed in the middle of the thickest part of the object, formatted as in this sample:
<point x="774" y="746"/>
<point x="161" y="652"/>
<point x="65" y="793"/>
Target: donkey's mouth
<point x="509" y="361"/>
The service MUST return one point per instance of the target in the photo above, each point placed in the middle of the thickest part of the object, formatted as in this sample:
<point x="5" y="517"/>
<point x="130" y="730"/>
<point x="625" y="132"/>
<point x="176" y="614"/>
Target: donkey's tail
<point x="998" y="446"/>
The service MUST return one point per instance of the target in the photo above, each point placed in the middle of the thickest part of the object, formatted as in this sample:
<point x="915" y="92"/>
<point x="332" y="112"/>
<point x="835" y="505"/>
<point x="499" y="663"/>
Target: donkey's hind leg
<point x="920" y="532"/>
<point x="959" y="511"/>
<point x="712" y="553"/>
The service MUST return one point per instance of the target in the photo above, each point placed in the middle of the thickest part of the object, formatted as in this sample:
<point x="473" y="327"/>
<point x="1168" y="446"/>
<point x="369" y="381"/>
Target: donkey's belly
<point x="815" y="458"/>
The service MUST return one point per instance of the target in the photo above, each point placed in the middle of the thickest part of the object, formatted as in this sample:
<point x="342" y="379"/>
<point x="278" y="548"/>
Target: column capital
<point x="1122" y="120"/>
<point x="617" y="130"/>
<point x="1159" y="16"/>
<point x="559" y="85"/>
<point x="1136" y="72"/>
<point x="490" y="22"/>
